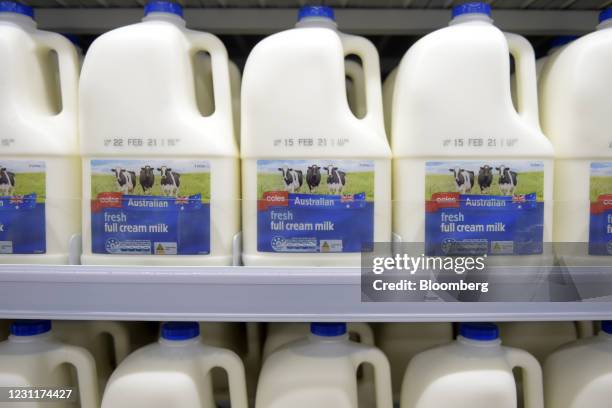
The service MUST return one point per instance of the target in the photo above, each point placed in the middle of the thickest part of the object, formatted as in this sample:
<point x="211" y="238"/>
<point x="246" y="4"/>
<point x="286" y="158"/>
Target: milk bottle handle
<point x="382" y="373"/>
<point x="364" y="49"/>
<point x="85" y="366"/>
<point x="121" y="339"/>
<point x="526" y="78"/>
<point x="253" y="342"/>
<point x="232" y="364"/>
<point x="68" y="70"/>
<point x="366" y="337"/>
<point x="220" y="72"/>
<point x="532" y="376"/>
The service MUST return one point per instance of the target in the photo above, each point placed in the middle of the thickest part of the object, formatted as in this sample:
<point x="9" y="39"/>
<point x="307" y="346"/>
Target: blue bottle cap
<point x="177" y="331"/>
<point x="606" y="326"/>
<point x="562" y="40"/>
<point x="472" y="8"/>
<point x="30" y="327"/>
<point x="606" y="14"/>
<point x="479" y="331"/>
<point x="316" y="11"/>
<point x="14" y="7"/>
<point x="161" y="6"/>
<point x="328" y="329"/>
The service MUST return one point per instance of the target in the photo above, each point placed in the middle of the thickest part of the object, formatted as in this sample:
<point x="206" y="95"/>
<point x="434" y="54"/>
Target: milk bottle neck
<point x="18" y="19"/>
<point x="605" y="25"/>
<point x="317" y="22"/>
<point x="38" y="338"/>
<point x="328" y="339"/>
<point x="496" y="343"/>
<point x="165" y="17"/>
<point x="471" y="18"/>
<point x="180" y="343"/>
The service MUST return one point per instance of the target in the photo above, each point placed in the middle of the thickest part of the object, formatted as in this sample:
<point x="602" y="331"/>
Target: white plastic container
<point x="540" y="338"/>
<point x="108" y="342"/>
<point x="452" y="117"/>
<point x="321" y="371"/>
<point x="296" y="119"/>
<point x="575" y="114"/>
<point x="32" y="357"/>
<point x="475" y="371"/>
<point x="402" y="341"/>
<point x="355" y="88"/>
<point x="187" y="210"/>
<point x="387" y="90"/>
<point x="580" y="374"/>
<point x="174" y="372"/>
<point x="39" y="165"/>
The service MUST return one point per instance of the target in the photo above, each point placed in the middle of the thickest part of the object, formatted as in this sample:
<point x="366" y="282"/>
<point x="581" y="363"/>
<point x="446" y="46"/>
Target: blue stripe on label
<point x="22" y="225"/>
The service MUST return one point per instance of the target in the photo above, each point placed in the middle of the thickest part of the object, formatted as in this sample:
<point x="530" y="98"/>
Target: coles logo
<point x="442" y="200"/>
<point x="107" y="200"/>
<point x="273" y="199"/>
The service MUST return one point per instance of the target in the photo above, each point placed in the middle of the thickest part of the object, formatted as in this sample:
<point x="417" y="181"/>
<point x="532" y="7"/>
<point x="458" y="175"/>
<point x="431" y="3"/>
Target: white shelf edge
<point x="362" y="21"/>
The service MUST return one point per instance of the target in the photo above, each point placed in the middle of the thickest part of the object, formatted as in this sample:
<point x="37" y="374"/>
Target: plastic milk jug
<point x="576" y="103"/>
<point x="32" y="357"/>
<point x="279" y="334"/>
<point x="402" y="341"/>
<point x="321" y="371"/>
<point x="174" y="372"/>
<point x="108" y="342"/>
<point x="39" y="165"/>
<point x="316" y="179"/>
<point x="387" y="91"/>
<point x="580" y="373"/>
<point x="471" y="174"/>
<point x="160" y="183"/>
<point x="355" y="88"/>
<point x="539" y="338"/>
<point x="473" y="371"/>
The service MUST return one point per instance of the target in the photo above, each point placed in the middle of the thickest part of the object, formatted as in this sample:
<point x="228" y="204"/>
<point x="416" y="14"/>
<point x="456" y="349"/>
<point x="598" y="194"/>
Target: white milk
<point x="32" y="357"/>
<point x="540" y="338"/>
<point x="138" y="109"/>
<point x="387" y="91"/>
<point x="174" y="372"/>
<point x="321" y="371"/>
<point x="575" y="113"/>
<point x="402" y="341"/>
<point x="580" y="374"/>
<point x="452" y="113"/>
<point x="108" y="342"/>
<point x="39" y="165"/>
<point x="475" y="371"/>
<point x="355" y="88"/>
<point x="295" y="115"/>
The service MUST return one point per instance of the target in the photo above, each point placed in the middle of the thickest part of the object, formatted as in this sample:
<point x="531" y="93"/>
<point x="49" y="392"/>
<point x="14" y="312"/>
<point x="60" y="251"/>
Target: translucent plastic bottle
<point x="175" y="372"/>
<point x="108" y="342"/>
<point x="161" y="183"/>
<point x="387" y="90"/>
<point x="402" y="341"/>
<point x="32" y="357"/>
<point x="39" y="165"/>
<point x="321" y="371"/>
<point x="316" y="179"/>
<point x="576" y="103"/>
<point x="475" y="371"/>
<point x="580" y="374"/>
<point x="471" y="174"/>
<point x="355" y="88"/>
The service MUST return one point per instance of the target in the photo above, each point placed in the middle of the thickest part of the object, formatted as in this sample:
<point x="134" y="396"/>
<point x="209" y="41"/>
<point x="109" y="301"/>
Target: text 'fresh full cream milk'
<point x="160" y="179"/>
<point x="576" y="104"/>
<point x="39" y="165"/>
<point x="472" y="175"/>
<point x="316" y="179"/>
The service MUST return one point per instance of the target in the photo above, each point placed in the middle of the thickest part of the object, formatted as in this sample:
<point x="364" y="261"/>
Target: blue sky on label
<point x="349" y="166"/>
<point x="601" y="169"/>
<point x="23" y="166"/>
<point x="179" y="166"/>
<point x="522" y="166"/>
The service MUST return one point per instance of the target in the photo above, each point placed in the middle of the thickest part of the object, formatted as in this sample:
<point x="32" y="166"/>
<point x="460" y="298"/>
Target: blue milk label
<point x="315" y="205"/>
<point x="600" y="222"/>
<point x="150" y="207"/>
<point x="484" y="207"/>
<point x="22" y="207"/>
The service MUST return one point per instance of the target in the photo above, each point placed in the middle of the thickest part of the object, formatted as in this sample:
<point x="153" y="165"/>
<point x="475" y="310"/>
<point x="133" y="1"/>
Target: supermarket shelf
<point x="239" y="294"/>
<point x="377" y="21"/>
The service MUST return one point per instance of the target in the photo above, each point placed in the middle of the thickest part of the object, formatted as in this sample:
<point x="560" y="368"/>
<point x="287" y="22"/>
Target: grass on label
<point x="361" y="182"/>
<point x="600" y="185"/>
<point x="28" y="183"/>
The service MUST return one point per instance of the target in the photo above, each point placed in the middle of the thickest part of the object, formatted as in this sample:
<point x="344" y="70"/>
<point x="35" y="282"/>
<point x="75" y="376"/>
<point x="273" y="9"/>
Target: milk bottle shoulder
<point x="175" y="372"/>
<point x="579" y="374"/>
<point x="39" y="167"/>
<point x="468" y="167"/>
<point x="473" y="371"/>
<point x="538" y="338"/>
<point x="32" y="357"/>
<point x="160" y="179"/>
<point x="316" y="179"/>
